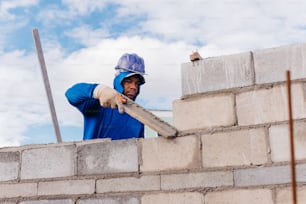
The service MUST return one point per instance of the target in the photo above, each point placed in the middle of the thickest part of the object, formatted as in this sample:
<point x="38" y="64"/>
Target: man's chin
<point x="130" y="96"/>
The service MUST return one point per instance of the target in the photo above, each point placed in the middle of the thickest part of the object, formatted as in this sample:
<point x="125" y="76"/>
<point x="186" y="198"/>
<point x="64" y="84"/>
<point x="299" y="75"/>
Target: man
<point x="100" y="105"/>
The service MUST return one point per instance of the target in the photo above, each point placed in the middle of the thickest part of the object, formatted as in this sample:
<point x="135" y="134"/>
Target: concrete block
<point x="268" y="175"/>
<point x="58" y="201"/>
<point x="67" y="187"/>
<point x="126" y="184"/>
<point x="9" y="165"/>
<point x="284" y="196"/>
<point x="18" y="190"/>
<point x="8" y="202"/>
<point x="196" y="180"/>
<point x="160" y="154"/>
<point x="271" y="64"/>
<point x="216" y="73"/>
<point x="110" y="200"/>
<point x="108" y="157"/>
<point x="262" y="176"/>
<point x="280" y="145"/>
<point x="260" y="106"/>
<point x="201" y="112"/>
<point x="48" y="162"/>
<point x="234" y="148"/>
<point x="251" y="196"/>
<point x="173" y="198"/>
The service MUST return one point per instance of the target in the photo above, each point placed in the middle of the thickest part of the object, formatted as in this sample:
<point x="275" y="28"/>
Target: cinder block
<point x="234" y="148"/>
<point x="50" y="201"/>
<point x="216" y="73"/>
<point x="8" y="202"/>
<point x="173" y="198"/>
<point x="18" y="190"/>
<point x="271" y="64"/>
<point x="48" y="162"/>
<point x="201" y="112"/>
<point x="252" y="196"/>
<point x="270" y="105"/>
<point x="196" y="180"/>
<point x="9" y="165"/>
<point x="279" y="142"/>
<point x="284" y="196"/>
<point x="67" y="187"/>
<point x="262" y="176"/>
<point x="126" y="184"/>
<point x="160" y="154"/>
<point x="108" y="157"/>
<point x="268" y="175"/>
<point x="110" y="200"/>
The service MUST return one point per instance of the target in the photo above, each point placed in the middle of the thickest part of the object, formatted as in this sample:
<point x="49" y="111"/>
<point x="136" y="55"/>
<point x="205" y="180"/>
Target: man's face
<point x="131" y="86"/>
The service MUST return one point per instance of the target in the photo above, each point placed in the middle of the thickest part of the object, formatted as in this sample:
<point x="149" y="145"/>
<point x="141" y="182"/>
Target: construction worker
<point x="101" y="107"/>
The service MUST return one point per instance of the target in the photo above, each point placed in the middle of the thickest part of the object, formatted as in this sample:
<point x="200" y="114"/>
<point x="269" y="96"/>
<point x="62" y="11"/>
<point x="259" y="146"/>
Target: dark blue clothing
<point x="101" y="122"/>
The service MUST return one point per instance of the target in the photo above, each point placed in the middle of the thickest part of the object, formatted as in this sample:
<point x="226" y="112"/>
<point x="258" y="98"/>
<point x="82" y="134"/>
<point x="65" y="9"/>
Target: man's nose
<point x="134" y="85"/>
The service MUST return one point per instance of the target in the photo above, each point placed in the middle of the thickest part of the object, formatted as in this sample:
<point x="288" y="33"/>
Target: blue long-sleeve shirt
<point x="101" y="122"/>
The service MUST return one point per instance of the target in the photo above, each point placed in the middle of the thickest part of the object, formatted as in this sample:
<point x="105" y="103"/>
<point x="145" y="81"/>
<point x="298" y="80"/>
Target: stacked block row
<point x="145" y="171"/>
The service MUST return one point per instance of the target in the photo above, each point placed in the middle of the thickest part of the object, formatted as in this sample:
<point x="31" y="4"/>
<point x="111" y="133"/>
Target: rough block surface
<point x="9" y="165"/>
<point x="160" y="154"/>
<point x="52" y="162"/>
<point x="126" y="184"/>
<point x="173" y="198"/>
<point x="70" y="187"/>
<point x="269" y="105"/>
<point x="196" y="180"/>
<point x="271" y="64"/>
<point x="110" y="200"/>
<point x="279" y="142"/>
<point x="243" y="147"/>
<point x="217" y="73"/>
<point x="108" y="157"/>
<point x="252" y="196"/>
<point x="201" y="112"/>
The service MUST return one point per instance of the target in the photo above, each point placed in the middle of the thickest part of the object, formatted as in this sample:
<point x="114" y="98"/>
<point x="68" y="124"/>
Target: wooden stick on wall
<point x="47" y="84"/>
<point x="293" y="176"/>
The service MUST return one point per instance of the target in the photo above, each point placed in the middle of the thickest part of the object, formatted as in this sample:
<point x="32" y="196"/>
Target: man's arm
<point x="81" y="96"/>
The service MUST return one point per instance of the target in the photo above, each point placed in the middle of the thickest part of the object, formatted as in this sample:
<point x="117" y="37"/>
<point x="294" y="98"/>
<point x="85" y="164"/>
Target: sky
<point x="82" y="41"/>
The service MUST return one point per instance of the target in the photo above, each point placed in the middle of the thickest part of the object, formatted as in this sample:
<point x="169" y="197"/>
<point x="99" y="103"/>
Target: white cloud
<point x="87" y="36"/>
<point x="165" y="36"/>
<point x="82" y="7"/>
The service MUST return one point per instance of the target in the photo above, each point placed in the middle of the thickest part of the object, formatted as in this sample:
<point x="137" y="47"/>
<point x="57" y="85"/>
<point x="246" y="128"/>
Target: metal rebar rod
<point x="293" y="176"/>
<point x="46" y="83"/>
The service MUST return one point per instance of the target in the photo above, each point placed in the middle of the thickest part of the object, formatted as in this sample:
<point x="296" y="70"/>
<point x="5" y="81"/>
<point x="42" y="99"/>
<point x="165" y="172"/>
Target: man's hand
<point x="109" y="97"/>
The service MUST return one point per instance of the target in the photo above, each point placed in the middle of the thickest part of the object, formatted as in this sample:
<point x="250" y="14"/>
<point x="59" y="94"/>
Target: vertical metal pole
<point x="46" y="83"/>
<point x="293" y="177"/>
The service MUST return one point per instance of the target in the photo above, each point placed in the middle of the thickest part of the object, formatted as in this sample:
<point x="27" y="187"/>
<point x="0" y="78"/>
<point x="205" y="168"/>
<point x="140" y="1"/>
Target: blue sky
<point x="83" y="39"/>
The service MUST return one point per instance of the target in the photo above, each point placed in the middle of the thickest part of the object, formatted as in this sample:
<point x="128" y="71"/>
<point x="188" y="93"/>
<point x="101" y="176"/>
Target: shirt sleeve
<point x="80" y="96"/>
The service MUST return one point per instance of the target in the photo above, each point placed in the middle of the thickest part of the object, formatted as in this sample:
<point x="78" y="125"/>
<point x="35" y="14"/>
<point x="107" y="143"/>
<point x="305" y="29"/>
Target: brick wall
<point x="233" y="145"/>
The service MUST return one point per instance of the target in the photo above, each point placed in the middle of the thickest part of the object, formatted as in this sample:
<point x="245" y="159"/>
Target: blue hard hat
<point x="132" y="63"/>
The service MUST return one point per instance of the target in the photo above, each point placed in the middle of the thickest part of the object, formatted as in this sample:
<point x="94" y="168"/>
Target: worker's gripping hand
<point x="109" y="97"/>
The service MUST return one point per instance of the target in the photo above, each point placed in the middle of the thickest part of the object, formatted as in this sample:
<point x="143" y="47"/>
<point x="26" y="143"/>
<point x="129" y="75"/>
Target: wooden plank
<point x="47" y="84"/>
<point x="146" y="117"/>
